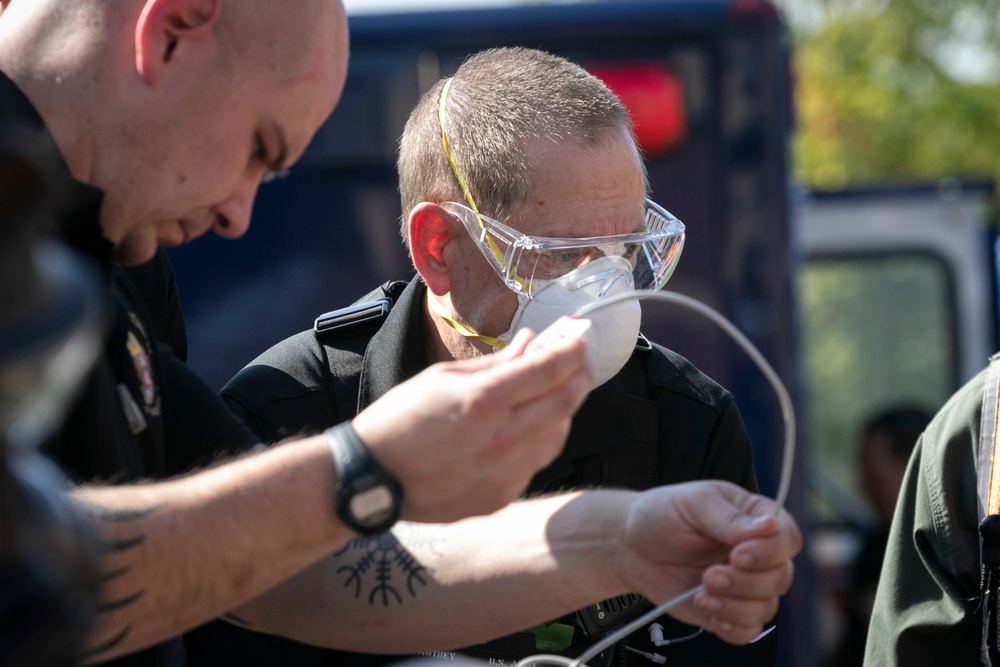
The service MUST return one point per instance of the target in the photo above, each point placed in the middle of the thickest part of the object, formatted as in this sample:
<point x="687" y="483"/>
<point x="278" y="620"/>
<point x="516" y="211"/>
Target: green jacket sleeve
<point x="927" y="608"/>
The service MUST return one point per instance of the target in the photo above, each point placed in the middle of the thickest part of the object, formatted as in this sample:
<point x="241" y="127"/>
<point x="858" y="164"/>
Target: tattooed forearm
<point x="116" y="540"/>
<point x="112" y="546"/>
<point x="106" y="606"/>
<point x="114" y="574"/>
<point x="95" y="651"/>
<point x="383" y="567"/>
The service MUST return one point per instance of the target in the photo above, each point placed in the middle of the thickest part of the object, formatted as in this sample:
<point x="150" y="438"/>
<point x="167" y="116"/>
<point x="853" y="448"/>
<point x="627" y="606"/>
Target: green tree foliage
<point x="895" y="90"/>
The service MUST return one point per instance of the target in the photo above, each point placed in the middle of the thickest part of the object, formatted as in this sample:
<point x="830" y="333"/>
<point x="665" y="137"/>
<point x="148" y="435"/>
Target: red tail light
<point x="654" y="97"/>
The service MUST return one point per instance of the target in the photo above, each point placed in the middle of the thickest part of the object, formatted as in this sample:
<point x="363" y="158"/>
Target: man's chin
<point x="139" y="251"/>
<point x="133" y="254"/>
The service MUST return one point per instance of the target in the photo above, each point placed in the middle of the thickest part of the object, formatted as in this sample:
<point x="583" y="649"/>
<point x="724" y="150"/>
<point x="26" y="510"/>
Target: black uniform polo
<point x="659" y="421"/>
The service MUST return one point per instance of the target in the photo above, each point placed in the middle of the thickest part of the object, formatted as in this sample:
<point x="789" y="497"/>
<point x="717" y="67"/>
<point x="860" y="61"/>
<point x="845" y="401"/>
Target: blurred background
<point x="834" y="162"/>
<point x="897" y="113"/>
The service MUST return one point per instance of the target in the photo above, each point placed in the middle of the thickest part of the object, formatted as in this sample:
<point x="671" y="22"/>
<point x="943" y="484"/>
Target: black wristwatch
<point x="368" y="497"/>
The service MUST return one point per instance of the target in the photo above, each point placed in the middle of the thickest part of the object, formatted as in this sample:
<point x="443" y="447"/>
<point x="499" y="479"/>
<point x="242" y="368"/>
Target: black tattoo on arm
<point x="95" y="651"/>
<point x="382" y="565"/>
<point x="113" y="574"/>
<point x="106" y="606"/>
<point x="115" y="548"/>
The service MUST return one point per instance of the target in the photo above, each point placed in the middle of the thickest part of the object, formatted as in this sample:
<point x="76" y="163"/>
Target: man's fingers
<point x="727" y="581"/>
<point x="734" y="634"/>
<point x="735" y="603"/>
<point x="762" y="553"/>
<point x="517" y="346"/>
<point x="556" y="405"/>
<point x="525" y="377"/>
<point x="542" y="448"/>
<point x="736" y="621"/>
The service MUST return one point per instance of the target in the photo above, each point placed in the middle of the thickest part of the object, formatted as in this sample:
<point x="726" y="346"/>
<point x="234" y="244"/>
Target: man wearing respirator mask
<point x="524" y="198"/>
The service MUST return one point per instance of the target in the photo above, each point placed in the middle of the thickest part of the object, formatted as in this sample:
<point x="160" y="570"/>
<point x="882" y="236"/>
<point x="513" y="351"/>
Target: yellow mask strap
<point x="438" y="310"/>
<point x="458" y="173"/>
<point x="451" y="156"/>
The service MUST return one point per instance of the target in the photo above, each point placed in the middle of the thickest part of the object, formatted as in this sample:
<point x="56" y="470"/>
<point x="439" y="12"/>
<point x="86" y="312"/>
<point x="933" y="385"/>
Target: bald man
<point x="162" y="117"/>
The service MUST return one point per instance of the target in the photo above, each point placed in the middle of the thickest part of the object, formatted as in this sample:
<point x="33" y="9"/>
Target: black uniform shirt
<point x="659" y="421"/>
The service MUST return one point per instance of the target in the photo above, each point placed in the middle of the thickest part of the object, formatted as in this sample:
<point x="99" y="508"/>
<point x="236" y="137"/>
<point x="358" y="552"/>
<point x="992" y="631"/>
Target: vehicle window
<point x="877" y="331"/>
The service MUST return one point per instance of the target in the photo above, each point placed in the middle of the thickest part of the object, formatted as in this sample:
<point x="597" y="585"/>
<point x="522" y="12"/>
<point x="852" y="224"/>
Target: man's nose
<point x="232" y="215"/>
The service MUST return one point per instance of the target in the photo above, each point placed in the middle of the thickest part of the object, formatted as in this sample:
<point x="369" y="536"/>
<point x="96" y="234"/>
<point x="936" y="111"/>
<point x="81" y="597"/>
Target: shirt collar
<point x="396" y="352"/>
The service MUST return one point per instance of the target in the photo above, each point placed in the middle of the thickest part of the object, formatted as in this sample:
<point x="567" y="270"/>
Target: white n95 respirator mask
<point x="613" y="331"/>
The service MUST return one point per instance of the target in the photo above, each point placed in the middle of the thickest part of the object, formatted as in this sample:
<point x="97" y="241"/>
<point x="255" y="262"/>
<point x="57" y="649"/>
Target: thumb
<point x="743" y="516"/>
<point x="749" y="527"/>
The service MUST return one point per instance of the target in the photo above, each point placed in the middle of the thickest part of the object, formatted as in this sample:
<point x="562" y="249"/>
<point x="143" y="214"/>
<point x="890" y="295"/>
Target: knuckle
<point x="560" y="432"/>
<point x="568" y="398"/>
<point x="787" y="577"/>
<point x="477" y="400"/>
<point x="769" y="610"/>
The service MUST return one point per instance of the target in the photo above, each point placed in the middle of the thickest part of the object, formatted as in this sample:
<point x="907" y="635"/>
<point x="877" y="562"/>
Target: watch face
<point x="368" y="499"/>
<point x="371" y="505"/>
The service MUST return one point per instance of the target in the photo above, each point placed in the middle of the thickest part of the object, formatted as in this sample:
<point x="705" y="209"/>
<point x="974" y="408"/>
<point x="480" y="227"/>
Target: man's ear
<point x="164" y="25"/>
<point x="431" y="229"/>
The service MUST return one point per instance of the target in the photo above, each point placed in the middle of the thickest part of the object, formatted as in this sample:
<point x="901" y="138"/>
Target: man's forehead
<point x="579" y="223"/>
<point x="305" y="91"/>
<point x="582" y="189"/>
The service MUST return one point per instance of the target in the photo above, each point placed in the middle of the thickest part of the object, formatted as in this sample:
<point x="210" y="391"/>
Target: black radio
<point x="600" y="618"/>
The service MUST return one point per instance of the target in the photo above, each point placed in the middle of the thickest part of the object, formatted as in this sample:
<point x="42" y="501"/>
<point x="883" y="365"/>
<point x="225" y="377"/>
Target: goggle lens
<point x="526" y="263"/>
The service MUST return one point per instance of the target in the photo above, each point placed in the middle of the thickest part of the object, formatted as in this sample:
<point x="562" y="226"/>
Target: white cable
<point x="787" y="413"/>
<point x="784" y="399"/>
<point x="656" y="636"/>
<point x="544" y="659"/>
<point x="654" y="657"/>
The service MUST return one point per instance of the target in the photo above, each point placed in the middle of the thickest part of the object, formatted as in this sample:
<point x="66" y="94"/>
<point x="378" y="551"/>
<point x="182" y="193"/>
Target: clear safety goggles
<point x="528" y="263"/>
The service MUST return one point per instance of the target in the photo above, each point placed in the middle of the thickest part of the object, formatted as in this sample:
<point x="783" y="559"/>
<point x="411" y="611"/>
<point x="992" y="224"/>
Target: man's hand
<point x="464" y="438"/>
<point x="718" y="534"/>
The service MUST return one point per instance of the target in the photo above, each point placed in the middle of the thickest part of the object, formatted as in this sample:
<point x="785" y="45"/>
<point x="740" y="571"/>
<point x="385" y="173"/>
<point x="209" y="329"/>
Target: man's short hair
<point x="500" y="99"/>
